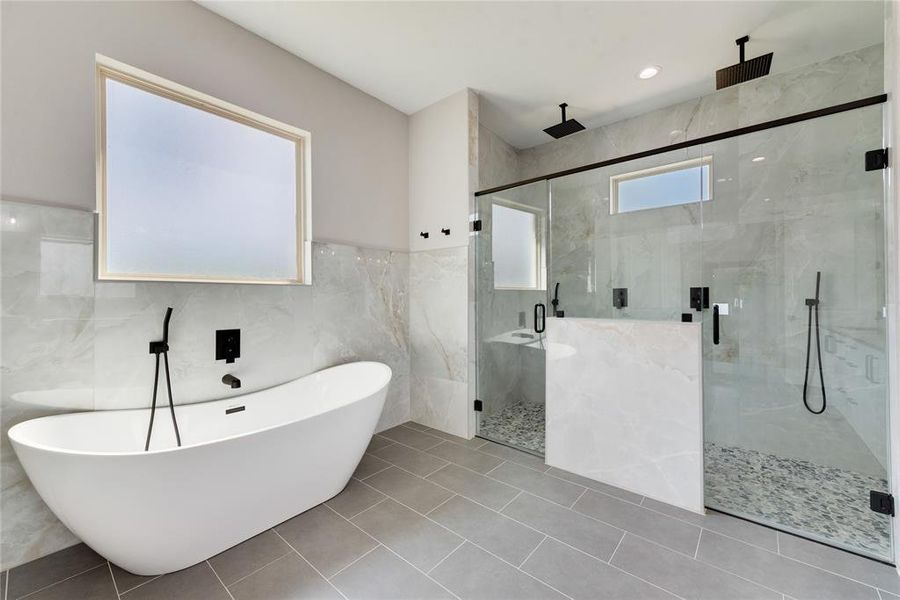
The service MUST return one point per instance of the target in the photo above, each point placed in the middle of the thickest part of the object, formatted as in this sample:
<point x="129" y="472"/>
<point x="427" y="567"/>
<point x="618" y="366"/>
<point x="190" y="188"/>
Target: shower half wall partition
<point x="730" y="232"/>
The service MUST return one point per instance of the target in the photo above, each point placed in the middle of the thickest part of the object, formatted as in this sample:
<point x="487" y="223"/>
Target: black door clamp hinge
<point x="476" y="225"/>
<point x="478" y="406"/>
<point x="881" y="502"/>
<point x="877" y="159"/>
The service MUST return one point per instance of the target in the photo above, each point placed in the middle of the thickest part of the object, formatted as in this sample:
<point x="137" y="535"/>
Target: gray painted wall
<point x="359" y="160"/>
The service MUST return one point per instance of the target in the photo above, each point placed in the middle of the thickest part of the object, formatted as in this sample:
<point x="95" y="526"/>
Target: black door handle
<point x="715" y="324"/>
<point x="540" y="316"/>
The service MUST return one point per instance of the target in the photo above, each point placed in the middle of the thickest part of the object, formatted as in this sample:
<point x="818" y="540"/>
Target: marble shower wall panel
<point x="69" y="343"/>
<point x="772" y="224"/>
<point x="624" y="405"/>
<point x="438" y="334"/>
<point x="498" y="163"/>
<point x="840" y="79"/>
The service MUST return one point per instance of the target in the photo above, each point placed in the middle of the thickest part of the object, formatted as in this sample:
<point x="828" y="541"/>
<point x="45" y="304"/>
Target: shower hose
<point x="813" y="305"/>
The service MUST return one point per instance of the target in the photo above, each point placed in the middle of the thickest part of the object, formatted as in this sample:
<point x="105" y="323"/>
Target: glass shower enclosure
<point x="774" y="241"/>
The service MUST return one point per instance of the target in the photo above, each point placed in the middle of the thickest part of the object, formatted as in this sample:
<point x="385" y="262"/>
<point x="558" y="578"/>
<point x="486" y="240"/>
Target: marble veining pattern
<point x="69" y="343"/>
<point x="438" y="334"/>
<point x="624" y="405"/>
<point x="827" y="502"/>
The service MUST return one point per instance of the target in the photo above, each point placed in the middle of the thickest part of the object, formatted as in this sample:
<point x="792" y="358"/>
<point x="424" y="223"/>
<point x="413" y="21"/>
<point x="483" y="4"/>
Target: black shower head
<point x="744" y="70"/>
<point x="566" y="127"/>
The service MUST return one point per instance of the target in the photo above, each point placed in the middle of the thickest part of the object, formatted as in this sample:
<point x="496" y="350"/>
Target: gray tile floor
<point x="428" y="515"/>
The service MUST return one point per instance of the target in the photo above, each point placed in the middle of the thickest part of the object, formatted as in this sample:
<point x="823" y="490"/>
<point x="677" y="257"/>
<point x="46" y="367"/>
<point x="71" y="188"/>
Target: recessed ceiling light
<point x="648" y="72"/>
<point x="758" y="158"/>
<point x="12" y="220"/>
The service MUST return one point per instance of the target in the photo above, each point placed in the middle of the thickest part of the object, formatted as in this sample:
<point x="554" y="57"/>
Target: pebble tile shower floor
<point x="429" y="515"/>
<point x="796" y="494"/>
<point x="520" y="425"/>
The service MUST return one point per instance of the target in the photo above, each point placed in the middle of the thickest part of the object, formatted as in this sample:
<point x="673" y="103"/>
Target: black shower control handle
<point x="716" y="324"/>
<point x="540" y="318"/>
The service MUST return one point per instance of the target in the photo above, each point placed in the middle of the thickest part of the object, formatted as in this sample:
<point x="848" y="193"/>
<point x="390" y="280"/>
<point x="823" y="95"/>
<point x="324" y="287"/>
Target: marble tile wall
<point x="624" y="405"/>
<point x="70" y="343"/>
<point x="840" y="79"/>
<point x="439" y="338"/>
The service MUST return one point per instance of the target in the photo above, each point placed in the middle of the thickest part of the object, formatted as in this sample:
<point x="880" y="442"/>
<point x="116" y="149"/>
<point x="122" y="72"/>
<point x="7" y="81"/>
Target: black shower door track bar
<point x="798" y="118"/>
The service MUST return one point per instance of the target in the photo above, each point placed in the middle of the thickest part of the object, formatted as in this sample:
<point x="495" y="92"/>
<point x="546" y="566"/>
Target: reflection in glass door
<point x="511" y="303"/>
<point x="790" y="206"/>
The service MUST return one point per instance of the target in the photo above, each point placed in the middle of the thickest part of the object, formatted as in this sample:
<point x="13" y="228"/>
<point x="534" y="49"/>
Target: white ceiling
<point x="524" y="58"/>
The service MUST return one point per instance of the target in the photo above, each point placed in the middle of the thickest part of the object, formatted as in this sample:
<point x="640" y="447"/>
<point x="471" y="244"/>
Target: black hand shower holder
<point x="813" y="305"/>
<point x="157" y="348"/>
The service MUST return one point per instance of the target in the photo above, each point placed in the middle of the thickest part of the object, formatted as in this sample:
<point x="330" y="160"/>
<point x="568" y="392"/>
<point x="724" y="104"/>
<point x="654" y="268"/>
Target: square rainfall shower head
<point x="564" y="128"/>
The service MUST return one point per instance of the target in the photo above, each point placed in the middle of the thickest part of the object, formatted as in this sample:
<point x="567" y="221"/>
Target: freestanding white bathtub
<point x="237" y="473"/>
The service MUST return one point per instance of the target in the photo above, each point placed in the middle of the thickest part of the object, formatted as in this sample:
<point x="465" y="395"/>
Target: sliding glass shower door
<point x="793" y="255"/>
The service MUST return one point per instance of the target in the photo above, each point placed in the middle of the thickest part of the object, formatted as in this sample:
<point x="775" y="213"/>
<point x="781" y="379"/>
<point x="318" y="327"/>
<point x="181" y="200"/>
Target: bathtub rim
<point x="16" y="439"/>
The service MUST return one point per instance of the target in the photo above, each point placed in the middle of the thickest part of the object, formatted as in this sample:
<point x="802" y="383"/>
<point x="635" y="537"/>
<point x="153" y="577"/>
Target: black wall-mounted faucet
<point x="231" y="380"/>
<point x="555" y="302"/>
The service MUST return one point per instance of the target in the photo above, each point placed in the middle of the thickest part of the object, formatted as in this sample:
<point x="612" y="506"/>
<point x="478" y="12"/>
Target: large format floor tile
<point x="473" y="574"/>
<point x="126" y="581"/>
<point x="198" y="582"/>
<point x="746" y="531"/>
<point x="411" y="437"/>
<point x="497" y="534"/>
<point x="596" y="485"/>
<point x="549" y="488"/>
<point x="842" y="563"/>
<point x="246" y="557"/>
<point x="415" y="492"/>
<point x="682" y="575"/>
<point x="513" y="455"/>
<point x="788" y="576"/>
<point x="581" y="577"/>
<point x="588" y="535"/>
<point x="288" y="577"/>
<point x="96" y="584"/>
<point x="472" y="444"/>
<point x="652" y="525"/>
<point x="369" y="465"/>
<point x="380" y="575"/>
<point x="354" y="499"/>
<point x="51" y="569"/>
<point x="479" y="488"/>
<point x="325" y="539"/>
<point x="412" y="536"/>
<point x="410" y="459"/>
<point x="471" y="459"/>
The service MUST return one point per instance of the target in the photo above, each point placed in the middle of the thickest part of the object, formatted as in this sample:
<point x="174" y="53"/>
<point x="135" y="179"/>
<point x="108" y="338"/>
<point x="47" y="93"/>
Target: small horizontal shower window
<point x="191" y="188"/>
<point x="516" y="246"/>
<point x="683" y="182"/>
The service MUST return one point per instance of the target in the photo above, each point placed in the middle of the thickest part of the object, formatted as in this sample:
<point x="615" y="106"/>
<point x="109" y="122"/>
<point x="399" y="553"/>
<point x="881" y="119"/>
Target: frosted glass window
<point x="515" y="245"/>
<point x="197" y="192"/>
<point x="678" y="183"/>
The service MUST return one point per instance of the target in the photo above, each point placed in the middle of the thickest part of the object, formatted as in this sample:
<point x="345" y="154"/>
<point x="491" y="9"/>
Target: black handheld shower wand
<point x="157" y="348"/>
<point x="813" y="304"/>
